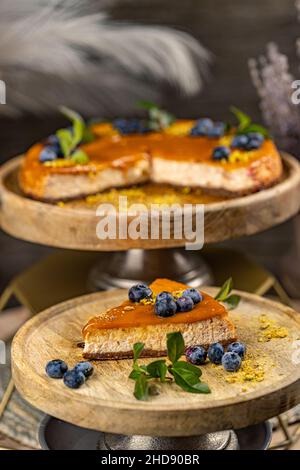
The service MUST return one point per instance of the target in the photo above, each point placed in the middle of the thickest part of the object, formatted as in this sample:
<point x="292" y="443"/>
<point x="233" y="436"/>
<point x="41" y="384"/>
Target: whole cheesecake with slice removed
<point x="112" y="334"/>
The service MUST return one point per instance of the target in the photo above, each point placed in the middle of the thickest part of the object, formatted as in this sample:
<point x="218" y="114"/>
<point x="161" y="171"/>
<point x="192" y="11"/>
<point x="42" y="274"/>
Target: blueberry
<point x="138" y="292"/>
<point x="165" y="308"/>
<point x="221" y="153"/>
<point x="218" y="130"/>
<point x="184" y="304"/>
<point x="240" y="141"/>
<point x="130" y="126"/>
<point x="56" y="368"/>
<point x="231" y="361"/>
<point x="164" y="295"/>
<point x="239" y="348"/>
<point x="48" y="154"/>
<point x="85" y="367"/>
<point x="215" y="353"/>
<point x="202" y="127"/>
<point x="54" y="143"/>
<point x="73" y="378"/>
<point x="257" y="136"/>
<point x="253" y="144"/>
<point x="194" y="294"/>
<point x="196" y="355"/>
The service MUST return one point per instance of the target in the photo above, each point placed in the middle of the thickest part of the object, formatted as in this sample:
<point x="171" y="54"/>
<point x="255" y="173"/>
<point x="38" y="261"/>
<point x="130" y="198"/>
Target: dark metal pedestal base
<point x="124" y="268"/>
<point x="224" y="440"/>
<point x="55" y="434"/>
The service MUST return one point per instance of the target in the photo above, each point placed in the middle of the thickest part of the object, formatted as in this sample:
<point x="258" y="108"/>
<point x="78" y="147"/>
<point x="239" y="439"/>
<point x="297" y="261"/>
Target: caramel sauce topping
<point x="132" y="315"/>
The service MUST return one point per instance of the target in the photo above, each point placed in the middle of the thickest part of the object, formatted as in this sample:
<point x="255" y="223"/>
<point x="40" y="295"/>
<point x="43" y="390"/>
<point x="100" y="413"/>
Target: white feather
<point x="56" y="52"/>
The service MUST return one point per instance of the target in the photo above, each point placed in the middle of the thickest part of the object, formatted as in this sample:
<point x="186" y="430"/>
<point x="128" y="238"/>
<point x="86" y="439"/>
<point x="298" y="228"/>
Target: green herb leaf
<point x="135" y="374"/>
<point x="188" y="381"/>
<point x="186" y="366"/>
<point x="65" y="139"/>
<point x="147" y="104"/>
<point x="158" y="369"/>
<point x="78" y="125"/>
<point x="225" y="290"/>
<point x="232" y="301"/>
<point x="175" y="346"/>
<point x="79" y="157"/>
<point x="255" y="128"/>
<point x="141" y="389"/>
<point x="137" y="349"/>
<point x="243" y="119"/>
<point x="88" y="135"/>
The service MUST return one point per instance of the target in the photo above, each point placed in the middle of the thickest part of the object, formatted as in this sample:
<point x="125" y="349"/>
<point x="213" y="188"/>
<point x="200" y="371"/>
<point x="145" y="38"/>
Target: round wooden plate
<point x="74" y="227"/>
<point x="106" y="402"/>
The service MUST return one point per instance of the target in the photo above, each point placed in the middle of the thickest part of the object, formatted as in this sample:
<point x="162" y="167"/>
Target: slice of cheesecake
<point x="112" y="334"/>
<point x="113" y="162"/>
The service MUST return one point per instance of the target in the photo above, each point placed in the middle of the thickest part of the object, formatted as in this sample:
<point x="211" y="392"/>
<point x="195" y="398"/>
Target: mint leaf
<point x="175" y="346"/>
<point x="137" y="349"/>
<point x="65" y="139"/>
<point x="189" y="382"/>
<point x="147" y="104"/>
<point x="141" y="389"/>
<point x="80" y="157"/>
<point x="232" y="301"/>
<point x="78" y="125"/>
<point x="243" y="119"/>
<point x="88" y="135"/>
<point x="186" y="366"/>
<point x="225" y="290"/>
<point x="135" y="374"/>
<point x="255" y="128"/>
<point x="158" y="369"/>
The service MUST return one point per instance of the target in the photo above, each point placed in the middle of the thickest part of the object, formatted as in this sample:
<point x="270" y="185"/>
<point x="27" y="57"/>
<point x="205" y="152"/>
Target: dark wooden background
<point x="234" y="31"/>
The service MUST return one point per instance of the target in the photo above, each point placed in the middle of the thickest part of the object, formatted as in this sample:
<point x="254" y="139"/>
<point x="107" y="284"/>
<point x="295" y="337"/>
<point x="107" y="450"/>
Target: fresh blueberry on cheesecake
<point x="48" y="154"/>
<point x="217" y="131"/>
<point x="239" y="348"/>
<point x="184" y="304"/>
<point x="231" y="361"/>
<point x="194" y="294"/>
<point x="85" y="367"/>
<point x="54" y="143"/>
<point x="74" y="378"/>
<point x="215" y="353"/>
<point x="56" y="368"/>
<point x="221" y="153"/>
<point x="239" y="141"/>
<point x="251" y="141"/>
<point x="196" y="355"/>
<point x="130" y="126"/>
<point x="165" y="308"/>
<point x="138" y="292"/>
<point x="202" y="127"/>
<point x="164" y="295"/>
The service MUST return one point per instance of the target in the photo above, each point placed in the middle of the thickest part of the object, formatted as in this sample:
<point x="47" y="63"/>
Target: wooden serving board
<point x="74" y="225"/>
<point x="106" y="402"/>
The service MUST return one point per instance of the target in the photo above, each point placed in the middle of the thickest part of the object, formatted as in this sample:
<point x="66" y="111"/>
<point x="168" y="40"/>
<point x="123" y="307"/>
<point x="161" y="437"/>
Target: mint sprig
<point x="245" y="124"/>
<point x="232" y="300"/>
<point x="159" y="119"/>
<point x="69" y="139"/>
<point x="184" y="374"/>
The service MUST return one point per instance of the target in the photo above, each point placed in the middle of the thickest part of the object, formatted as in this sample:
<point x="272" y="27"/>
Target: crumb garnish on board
<point x="269" y="329"/>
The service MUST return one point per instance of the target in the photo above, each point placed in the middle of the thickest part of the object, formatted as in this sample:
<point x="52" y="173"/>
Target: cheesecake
<point x="112" y="334"/>
<point x="171" y="156"/>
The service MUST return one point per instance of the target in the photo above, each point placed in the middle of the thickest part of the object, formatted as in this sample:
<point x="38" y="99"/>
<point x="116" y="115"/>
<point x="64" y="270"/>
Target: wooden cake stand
<point x="267" y="385"/>
<point x="73" y="226"/>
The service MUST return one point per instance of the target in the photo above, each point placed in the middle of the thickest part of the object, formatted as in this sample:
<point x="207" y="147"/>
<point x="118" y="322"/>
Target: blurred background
<point x="232" y="31"/>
